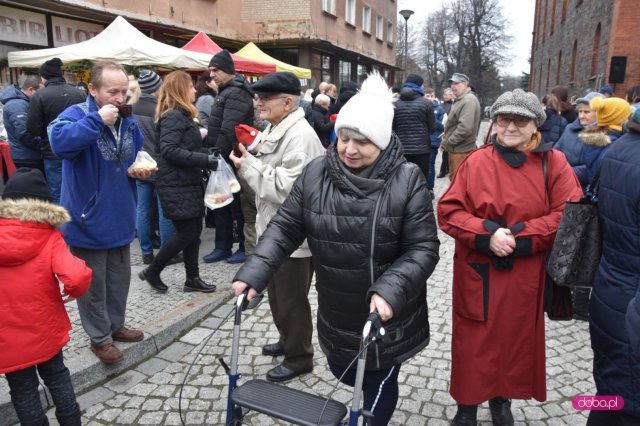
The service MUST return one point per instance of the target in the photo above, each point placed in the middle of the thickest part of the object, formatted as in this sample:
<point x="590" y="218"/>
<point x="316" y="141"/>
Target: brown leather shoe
<point x="109" y="353"/>
<point x="127" y="335"/>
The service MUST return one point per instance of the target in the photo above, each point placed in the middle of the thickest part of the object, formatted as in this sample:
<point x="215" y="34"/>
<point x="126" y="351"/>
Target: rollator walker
<point x="292" y="405"/>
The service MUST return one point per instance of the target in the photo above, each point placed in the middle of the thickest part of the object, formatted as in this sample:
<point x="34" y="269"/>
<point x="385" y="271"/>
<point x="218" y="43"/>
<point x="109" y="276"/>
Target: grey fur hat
<point x="519" y="102"/>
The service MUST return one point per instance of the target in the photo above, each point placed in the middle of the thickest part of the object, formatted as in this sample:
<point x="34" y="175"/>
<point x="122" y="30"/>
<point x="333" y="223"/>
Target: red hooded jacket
<point x="33" y="257"/>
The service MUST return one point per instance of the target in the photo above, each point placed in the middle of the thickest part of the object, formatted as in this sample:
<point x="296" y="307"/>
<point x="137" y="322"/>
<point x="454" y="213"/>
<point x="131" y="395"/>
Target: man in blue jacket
<point x="97" y="144"/>
<point x="24" y="147"/>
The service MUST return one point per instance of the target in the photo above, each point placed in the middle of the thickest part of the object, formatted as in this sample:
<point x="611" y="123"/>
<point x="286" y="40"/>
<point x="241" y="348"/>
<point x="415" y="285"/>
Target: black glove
<point x="212" y="162"/>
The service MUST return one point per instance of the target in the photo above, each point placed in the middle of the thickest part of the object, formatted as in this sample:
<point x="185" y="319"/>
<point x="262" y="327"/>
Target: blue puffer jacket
<point x="24" y="147"/>
<point x="616" y="369"/>
<point x="553" y="126"/>
<point x="439" y="113"/>
<point x="571" y="145"/>
<point x="595" y="148"/>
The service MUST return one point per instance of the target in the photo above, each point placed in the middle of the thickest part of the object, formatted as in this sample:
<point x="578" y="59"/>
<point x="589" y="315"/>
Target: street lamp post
<point x="406" y="14"/>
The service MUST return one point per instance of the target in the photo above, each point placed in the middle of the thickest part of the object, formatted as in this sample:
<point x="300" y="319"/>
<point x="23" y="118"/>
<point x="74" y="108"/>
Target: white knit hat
<point x="370" y="111"/>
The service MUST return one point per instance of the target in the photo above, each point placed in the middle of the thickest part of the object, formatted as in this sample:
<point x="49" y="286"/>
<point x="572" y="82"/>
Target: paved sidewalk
<point x="163" y="318"/>
<point x="149" y="393"/>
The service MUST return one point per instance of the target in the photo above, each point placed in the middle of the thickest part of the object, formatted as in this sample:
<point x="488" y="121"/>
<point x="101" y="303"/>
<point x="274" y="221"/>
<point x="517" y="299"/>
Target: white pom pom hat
<point x="370" y="111"/>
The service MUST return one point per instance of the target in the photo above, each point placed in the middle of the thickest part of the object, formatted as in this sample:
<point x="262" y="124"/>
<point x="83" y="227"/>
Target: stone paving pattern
<point x="149" y="393"/>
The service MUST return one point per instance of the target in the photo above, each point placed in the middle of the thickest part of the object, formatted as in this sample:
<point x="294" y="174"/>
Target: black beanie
<point x="26" y="183"/>
<point x="222" y="60"/>
<point x="415" y="79"/>
<point x="51" y="68"/>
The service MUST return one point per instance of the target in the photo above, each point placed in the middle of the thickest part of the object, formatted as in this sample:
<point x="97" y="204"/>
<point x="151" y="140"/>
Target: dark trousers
<point x="185" y="239"/>
<point x="421" y="160"/>
<point x="379" y="388"/>
<point x="23" y="387"/>
<point x="224" y="225"/>
<point x="444" y="166"/>
<point x="608" y="418"/>
<point x="289" y="303"/>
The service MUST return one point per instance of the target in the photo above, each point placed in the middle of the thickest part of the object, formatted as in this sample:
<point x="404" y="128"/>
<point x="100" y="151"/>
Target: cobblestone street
<point x="149" y="393"/>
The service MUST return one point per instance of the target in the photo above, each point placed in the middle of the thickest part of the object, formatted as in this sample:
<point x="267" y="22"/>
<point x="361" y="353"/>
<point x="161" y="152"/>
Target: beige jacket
<point x="463" y="123"/>
<point x="286" y="149"/>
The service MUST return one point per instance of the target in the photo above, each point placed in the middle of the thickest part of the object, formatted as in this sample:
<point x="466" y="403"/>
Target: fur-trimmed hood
<point x="595" y="138"/>
<point x="28" y="210"/>
<point x="25" y="228"/>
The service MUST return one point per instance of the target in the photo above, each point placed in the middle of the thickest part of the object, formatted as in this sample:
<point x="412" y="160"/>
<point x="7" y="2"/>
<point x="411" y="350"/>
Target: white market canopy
<point x="119" y="42"/>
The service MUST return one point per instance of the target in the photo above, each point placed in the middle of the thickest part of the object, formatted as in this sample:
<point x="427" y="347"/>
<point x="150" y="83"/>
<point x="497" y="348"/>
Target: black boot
<point x="153" y="279"/>
<point x="501" y="411"/>
<point x="466" y="416"/>
<point x="196" y="284"/>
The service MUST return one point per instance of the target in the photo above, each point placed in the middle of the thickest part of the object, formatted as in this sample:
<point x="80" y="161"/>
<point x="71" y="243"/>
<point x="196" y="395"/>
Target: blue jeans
<point x="53" y="174"/>
<point x="143" y="217"/>
<point x="224" y="225"/>
<point x="23" y="387"/>
<point x="379" y="388"/>
<point x="431" y="176"/>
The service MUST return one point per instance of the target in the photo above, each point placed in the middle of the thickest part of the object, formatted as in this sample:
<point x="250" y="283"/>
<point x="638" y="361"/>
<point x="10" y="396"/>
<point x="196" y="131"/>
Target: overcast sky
<point x="519" y="13"/>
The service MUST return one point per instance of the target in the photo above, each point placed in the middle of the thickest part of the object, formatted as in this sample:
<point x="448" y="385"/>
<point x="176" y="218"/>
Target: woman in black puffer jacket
<point x="369" y="222"/>
<point x="179" y="180"/>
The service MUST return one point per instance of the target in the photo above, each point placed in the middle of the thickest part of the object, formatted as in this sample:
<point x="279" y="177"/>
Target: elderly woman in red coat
<point x="503" y="216"/>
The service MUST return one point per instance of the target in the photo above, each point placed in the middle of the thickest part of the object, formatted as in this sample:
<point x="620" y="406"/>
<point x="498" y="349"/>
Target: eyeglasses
<point x="266" y="98"/>
<point x="518" y="120"/>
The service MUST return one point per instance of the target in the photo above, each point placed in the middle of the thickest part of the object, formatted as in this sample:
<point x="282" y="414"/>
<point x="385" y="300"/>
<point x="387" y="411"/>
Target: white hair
<point x="322" y="100"/>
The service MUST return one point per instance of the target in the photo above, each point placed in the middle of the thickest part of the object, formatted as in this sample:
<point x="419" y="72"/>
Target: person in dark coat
<point x="23" y="146"/>
<point x="233" y="106"/>
<point x="45" y="106"/>
<point x="321" y="122"/>
<point x="554" y="125"/>
<point x="447" y="101"/>
<point x="145" y="110"/>
<point x="363" y="182"/>
<point x="566" y="109"/>
<point x="414" y="122"/>
<point x="179" y="181"/>
<point x="616" y="367"/>
<point x="440" y="115"/>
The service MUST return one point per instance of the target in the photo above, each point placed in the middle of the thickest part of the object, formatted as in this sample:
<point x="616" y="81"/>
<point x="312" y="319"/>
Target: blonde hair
<point x="174" y="94"/>
<point x="133" y="92"/>
<point x="551" y="101"/>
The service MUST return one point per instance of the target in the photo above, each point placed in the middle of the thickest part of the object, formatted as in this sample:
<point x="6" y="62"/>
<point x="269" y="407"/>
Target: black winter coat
<point x="145" y="110"/>
<point x="45" y="106"/>
<point x="553" y="126"/>
<point x="322" y="125"/>
<point x="414" y="121"/>
<point x="182" y="158"/>
<point x="232" y="106"/>
<point x="366" y="236"/>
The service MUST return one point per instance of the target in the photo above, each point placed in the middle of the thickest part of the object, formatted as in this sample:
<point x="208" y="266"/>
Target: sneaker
<point x="127" y="335"/>
<point x="109" y="353"/>
<point x="216" y="256"/>
<point x="237" y="257"/>
<point x="147" y="258"/>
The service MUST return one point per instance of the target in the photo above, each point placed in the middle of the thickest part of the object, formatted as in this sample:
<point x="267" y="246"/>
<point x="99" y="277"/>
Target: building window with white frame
<point x="329" y="6"/>
<point x="350" y="12"/>
<point x="390" y="32"/>
<point x="380" y="28"/>
<point x="366" y="19"/>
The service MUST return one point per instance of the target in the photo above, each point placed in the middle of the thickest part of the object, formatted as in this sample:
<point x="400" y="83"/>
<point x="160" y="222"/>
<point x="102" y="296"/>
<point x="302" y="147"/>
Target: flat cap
<point x="278" y="82"/>
<point x="459" y="78"/>
<point x="519" y="102"/>
<point x="587" y="98"/>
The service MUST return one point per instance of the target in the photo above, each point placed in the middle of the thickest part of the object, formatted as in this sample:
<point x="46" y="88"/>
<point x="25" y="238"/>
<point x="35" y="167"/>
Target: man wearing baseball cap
<point x="463" y="122"/>
<point x="289" y="143"/>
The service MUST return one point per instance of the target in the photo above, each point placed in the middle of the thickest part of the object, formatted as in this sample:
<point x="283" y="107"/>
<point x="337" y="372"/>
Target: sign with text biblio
<point x="21" y="26"/>
<point x="69" y="31"/>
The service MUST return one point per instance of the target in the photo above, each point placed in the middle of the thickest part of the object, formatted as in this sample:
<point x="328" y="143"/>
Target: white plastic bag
<point x="144" y="163"/>
<point x="222" y="184"/>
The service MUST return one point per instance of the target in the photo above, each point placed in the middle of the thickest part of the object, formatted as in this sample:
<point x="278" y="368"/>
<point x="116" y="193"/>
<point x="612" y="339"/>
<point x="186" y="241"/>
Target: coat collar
<point x="273" y="134"/>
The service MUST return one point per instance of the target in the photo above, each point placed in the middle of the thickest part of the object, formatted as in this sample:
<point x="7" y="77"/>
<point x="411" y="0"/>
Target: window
<point x="362" y="73"/>
<point x="563" y="16"/>
<point x="390" y="32"/>
<point x="344" y="72"/>
<point x="380" y="28"/>
<point x="321" y="67"/>
<point x="553" y="15"/>
<point x="595" y="52"/>
<point x="558" y="68"/>
<point x="548" y="72"/>
<point x="574" y="53"/>
<point x="329" y="6"/>
<point x="366" y="19"/>
<point x="350" y="12"/>
<point x="544" y="21"/>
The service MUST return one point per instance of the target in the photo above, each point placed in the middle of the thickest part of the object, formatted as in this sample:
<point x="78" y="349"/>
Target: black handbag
<point x="575" y="255"/>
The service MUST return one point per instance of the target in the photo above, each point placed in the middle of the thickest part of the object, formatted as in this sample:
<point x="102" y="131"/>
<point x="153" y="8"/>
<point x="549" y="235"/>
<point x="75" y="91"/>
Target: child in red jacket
<point x="35" y="324"/>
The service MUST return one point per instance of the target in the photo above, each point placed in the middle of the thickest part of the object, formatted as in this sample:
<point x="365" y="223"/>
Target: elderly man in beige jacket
<point x="463" y="123"/>
<point x="289" y="143"/>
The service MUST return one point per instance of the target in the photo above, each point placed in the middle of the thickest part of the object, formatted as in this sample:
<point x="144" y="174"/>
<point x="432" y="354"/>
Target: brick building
<point x="574" y="42"/>
<point x="339" y="40"/>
